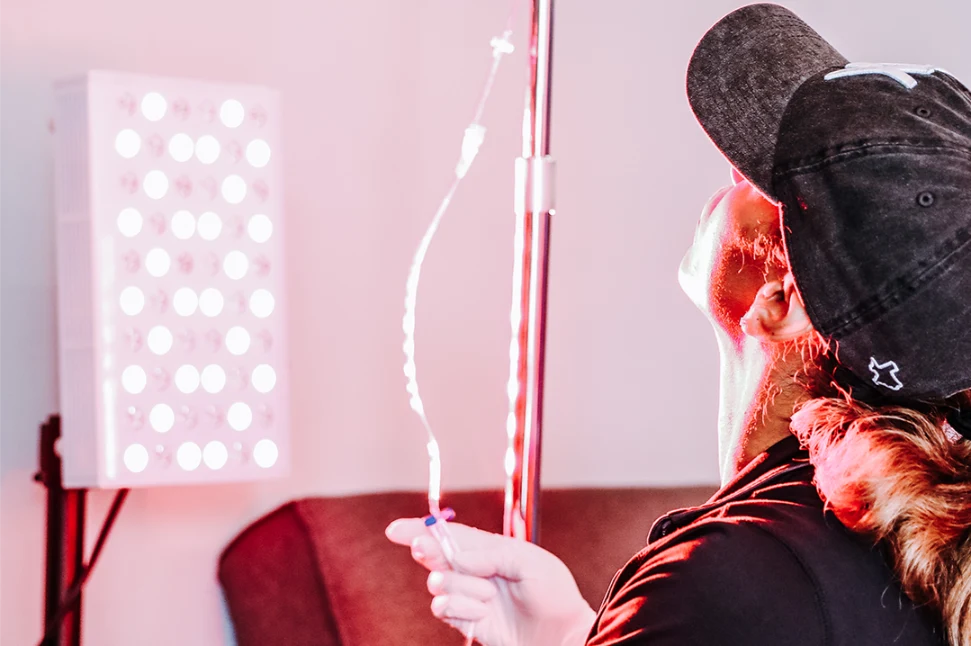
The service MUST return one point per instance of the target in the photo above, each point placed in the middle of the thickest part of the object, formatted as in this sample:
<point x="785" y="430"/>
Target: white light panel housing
<point x="173" y="355"/>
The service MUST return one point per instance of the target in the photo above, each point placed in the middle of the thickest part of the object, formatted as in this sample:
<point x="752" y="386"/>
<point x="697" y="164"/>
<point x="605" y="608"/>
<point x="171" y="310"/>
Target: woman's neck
<point x="756" y="402"/>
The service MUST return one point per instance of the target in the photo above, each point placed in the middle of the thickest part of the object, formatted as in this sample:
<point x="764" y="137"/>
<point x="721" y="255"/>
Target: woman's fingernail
<point x="416" y="550"/>
<point x="438" y="604"/>
<point x="435" y="579"/>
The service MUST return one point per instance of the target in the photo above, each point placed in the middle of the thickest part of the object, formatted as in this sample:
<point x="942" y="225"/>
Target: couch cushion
<point x="319" y="571"/>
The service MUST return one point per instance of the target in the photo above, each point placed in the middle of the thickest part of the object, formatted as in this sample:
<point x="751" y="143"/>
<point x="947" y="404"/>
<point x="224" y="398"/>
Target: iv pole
<point x="534" y="202"/>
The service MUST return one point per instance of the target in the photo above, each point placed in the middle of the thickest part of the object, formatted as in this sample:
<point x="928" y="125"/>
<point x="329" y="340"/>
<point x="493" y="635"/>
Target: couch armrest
<point x="272" y="584"/>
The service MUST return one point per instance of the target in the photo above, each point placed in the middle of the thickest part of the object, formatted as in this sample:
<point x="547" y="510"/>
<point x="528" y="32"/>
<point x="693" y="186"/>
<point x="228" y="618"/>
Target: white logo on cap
<point x="897" y="71"/>
<point x="880" y="378"/>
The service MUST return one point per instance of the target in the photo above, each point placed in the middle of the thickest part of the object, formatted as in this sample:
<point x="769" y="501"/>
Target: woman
<point x="836" y="272"/>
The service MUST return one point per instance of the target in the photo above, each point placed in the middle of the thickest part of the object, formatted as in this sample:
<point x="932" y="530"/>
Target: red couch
<point x="319" y="571"/>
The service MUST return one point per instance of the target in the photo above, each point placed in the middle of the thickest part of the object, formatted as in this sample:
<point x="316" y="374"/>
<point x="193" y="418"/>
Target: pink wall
<point x="377" y="95"/>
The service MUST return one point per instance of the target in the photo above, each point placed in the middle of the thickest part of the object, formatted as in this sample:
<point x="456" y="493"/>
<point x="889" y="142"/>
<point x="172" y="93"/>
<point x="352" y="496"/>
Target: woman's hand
<point x="512" y="592"/>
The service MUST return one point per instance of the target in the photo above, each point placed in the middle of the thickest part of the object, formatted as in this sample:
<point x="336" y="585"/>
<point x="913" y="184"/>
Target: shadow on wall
<point x="28" y="333"/>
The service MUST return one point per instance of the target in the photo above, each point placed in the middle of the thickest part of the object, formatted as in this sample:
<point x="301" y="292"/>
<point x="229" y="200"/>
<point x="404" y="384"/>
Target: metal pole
<point x="534" y="201"/>
<point x="65" y="539"/>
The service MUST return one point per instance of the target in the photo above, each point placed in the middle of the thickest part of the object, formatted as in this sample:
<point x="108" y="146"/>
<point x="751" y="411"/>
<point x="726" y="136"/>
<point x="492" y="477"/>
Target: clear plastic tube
<point x="471" y="143"/>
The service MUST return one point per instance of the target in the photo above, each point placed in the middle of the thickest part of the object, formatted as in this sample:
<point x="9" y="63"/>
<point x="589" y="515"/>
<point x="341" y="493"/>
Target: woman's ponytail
<point x="891" y="473"/>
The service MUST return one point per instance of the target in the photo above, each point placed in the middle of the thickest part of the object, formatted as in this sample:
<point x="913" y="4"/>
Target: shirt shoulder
<point x="719" y="581"/>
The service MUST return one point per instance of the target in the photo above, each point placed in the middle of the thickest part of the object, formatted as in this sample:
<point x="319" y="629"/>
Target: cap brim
<point x="743" y="74"/>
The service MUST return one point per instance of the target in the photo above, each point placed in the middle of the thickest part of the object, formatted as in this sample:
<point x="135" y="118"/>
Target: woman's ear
<point x="777" y="314"/>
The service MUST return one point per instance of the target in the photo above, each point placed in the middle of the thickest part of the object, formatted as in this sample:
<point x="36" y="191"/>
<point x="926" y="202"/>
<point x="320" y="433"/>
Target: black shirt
<point x="761" y="563"/>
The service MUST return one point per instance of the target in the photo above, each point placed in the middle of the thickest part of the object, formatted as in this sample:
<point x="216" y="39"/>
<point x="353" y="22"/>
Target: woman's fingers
<point x="455" y="584"/>
<point x="404" y="530"/>
<point x="426" y="551"/>
<point x="458" y="608"/>
<point x="480" y="553"/>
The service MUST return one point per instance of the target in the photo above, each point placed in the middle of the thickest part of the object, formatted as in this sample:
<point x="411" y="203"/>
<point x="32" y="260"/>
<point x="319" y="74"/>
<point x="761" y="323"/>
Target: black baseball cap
<point x="871" y="164"/>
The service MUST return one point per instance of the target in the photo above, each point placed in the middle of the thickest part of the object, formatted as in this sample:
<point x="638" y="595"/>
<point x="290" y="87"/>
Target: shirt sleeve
<point x="727" y="582"/>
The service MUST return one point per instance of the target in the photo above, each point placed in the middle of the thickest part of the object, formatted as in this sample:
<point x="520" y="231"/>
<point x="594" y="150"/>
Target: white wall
<point x="377" y="95"/>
